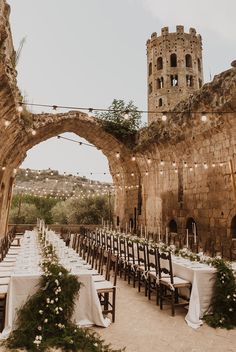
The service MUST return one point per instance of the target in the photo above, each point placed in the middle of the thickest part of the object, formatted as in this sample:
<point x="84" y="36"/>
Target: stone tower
<point x="174" y="65"/>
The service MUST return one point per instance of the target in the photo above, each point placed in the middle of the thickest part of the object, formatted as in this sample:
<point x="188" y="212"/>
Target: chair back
<point x="108" y="242"/>
<point x="122" y="245"/>
<point x="141" y="249"/>
<point x="112" y="268"/>
<point x="152" y="261"/>
<point x="165" y="265"/>
<point x="130" y="251"/>
<point x="115" y="244"/>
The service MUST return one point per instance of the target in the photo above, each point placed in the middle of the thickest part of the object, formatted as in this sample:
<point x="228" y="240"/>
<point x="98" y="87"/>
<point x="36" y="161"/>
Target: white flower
<point x="40" y="311"/>
<point x="45" y="320"/>
<point x="230" y="309"/>
<point x="48" y="300"/>
<point x="60" y="274"/>
<point x="56" y="299"/>
<point x="57" y="282"/>
<point x="61" y="309"/>
<point x="52" y="301"/>
<point x="39" y="328"/>
<point x="228" y="297"/>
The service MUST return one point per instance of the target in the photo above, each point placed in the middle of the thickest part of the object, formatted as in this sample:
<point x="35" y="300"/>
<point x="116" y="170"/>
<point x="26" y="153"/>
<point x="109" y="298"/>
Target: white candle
<point x="126" y="227"/>
<point x="145" y="231"/>
<point x="130" y="229"/>
<point x="166" y="235"/>
<point x="141" y="230"/>
<point x="195" y="233"/>
<point x="187" y="238"/>
<point x="159" y="233"/>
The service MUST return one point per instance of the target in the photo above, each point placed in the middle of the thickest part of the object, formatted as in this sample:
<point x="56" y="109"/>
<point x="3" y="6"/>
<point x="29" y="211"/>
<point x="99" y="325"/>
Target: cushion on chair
<point x="178" y="282"/>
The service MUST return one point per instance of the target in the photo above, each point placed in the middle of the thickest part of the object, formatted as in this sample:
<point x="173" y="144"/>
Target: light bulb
<point x="149" y="161"/>
<point x="132" y="174"/>
<point x="6" y="123"/>
<point x="174" y="163"/>
<point x="20" y="108"/>
<point x="176" y="171"/>
<point x="133" y="158"/>
<point x="33" y="132"/>
<point x="161" y="172"/>
<point x="146" y="173"/>
<point x="3" y="168"/>
<point x="185" y="164"/>
<point x="162" y="163"/>
<point x="164" y="118"/>
<point x="204" y="118"/>
<point x="126" y="115"/>
<point x="213" y="165"/>
<point x="117" y="155"/>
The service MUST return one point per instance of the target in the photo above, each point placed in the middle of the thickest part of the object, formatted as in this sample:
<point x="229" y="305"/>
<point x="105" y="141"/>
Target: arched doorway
<point x="173" y="228"/>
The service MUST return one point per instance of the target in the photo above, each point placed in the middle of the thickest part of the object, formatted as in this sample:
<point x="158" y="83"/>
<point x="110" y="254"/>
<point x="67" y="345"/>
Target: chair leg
<point x="161" y="297"/>
<point x="149" y="287"/>
<point x="113" y="304"/>
<point x="157" y="294"/>
<point x="139" y="283"/>
<point x="173" y="303"/>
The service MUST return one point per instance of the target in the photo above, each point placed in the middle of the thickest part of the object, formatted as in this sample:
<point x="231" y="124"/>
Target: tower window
<point x="160" y="83"/>
<point x="173" y="60"/>
<point x="160" y="102"/>
<point x="188" y="60"/>
<point x="150" y="88"/>
<point x="150" y="69"/>
<point x="189" y="81"/>
<point x="199" y="65"/>
<point x="174" y="80"/>
<point x="159" y="63"/>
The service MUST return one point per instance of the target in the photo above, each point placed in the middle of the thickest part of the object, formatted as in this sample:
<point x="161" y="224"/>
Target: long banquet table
<point x="202" y="277"/>
<point x="24" y="270"/>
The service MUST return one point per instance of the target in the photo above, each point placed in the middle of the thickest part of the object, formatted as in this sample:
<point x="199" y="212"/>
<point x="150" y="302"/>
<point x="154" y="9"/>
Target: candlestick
<point x="166" y="235"/>
<point x="126" y="227"/>
<point x="145" y="231"/>
<point x="187" y="238"/>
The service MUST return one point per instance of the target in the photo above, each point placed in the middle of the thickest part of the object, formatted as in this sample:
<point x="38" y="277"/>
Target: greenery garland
<point x="45" y="320"/>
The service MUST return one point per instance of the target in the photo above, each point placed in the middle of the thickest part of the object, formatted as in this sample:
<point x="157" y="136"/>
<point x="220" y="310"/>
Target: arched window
<point x="160" y="102"/>
<point x="199" y="65"/>
<point x="233" y="227"/>
<point x="188" y="60"/>
<point x="159" y="63"/>
<point x="190" y="225"/>
<point x="173" y="226"/>
<point x="150" y="69"/>
<point x="173" y="60"/>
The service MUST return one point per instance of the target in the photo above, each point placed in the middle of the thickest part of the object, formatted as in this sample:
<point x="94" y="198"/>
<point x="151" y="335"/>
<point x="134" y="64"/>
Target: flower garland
<point x="45" y="320"/>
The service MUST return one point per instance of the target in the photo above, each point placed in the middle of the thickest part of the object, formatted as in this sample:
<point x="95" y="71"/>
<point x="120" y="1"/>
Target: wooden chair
<point x="152" y="274"/>
<point x="131" y="263"/>
<point x="122" y="264"/>
<point x="142" y="267"/>
<point x="169" y="286"/>
<point x="107" y="289"/>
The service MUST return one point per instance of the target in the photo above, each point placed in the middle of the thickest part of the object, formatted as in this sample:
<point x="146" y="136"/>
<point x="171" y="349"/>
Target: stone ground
<point x="142" y="327"/>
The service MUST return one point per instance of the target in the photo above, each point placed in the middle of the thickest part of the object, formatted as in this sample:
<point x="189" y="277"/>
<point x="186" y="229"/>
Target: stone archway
<point x="50" y="125"/>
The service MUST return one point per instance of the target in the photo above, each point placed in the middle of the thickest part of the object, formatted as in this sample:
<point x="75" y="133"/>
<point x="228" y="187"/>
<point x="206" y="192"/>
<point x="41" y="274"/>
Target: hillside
<point x="49" y="183"/>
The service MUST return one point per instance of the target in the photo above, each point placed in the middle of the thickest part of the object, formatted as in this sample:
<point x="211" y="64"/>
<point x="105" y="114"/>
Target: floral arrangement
<point x="45" y="320"/>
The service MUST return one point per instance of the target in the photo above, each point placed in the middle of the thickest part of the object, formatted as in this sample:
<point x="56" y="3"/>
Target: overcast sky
<point x="88" y="52"/>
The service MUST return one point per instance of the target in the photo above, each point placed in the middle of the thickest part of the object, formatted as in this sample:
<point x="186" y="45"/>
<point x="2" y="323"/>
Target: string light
<point x="164" y="117"/>
<point x="126" y="112"/>
<point x="174" y="163"/>
<point x="126" y="115"/>
<point x="33" y="132"/>
<point x="20" y="107"/>
<point x="162" y="163"/>
<point x="133" y="158"/>
<point x="203" y="117"/>
<point x="117" y="155"/>
<point x="149" y="160"/>
<point x="7" y="123"/>
<point x="146" y="173"/>
<point x="3" y="168"/>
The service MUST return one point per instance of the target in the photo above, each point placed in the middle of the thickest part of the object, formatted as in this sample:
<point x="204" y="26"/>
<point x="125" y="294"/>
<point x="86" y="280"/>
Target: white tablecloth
<point x="24" y="280"/>
<point x="202" y="278"/>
